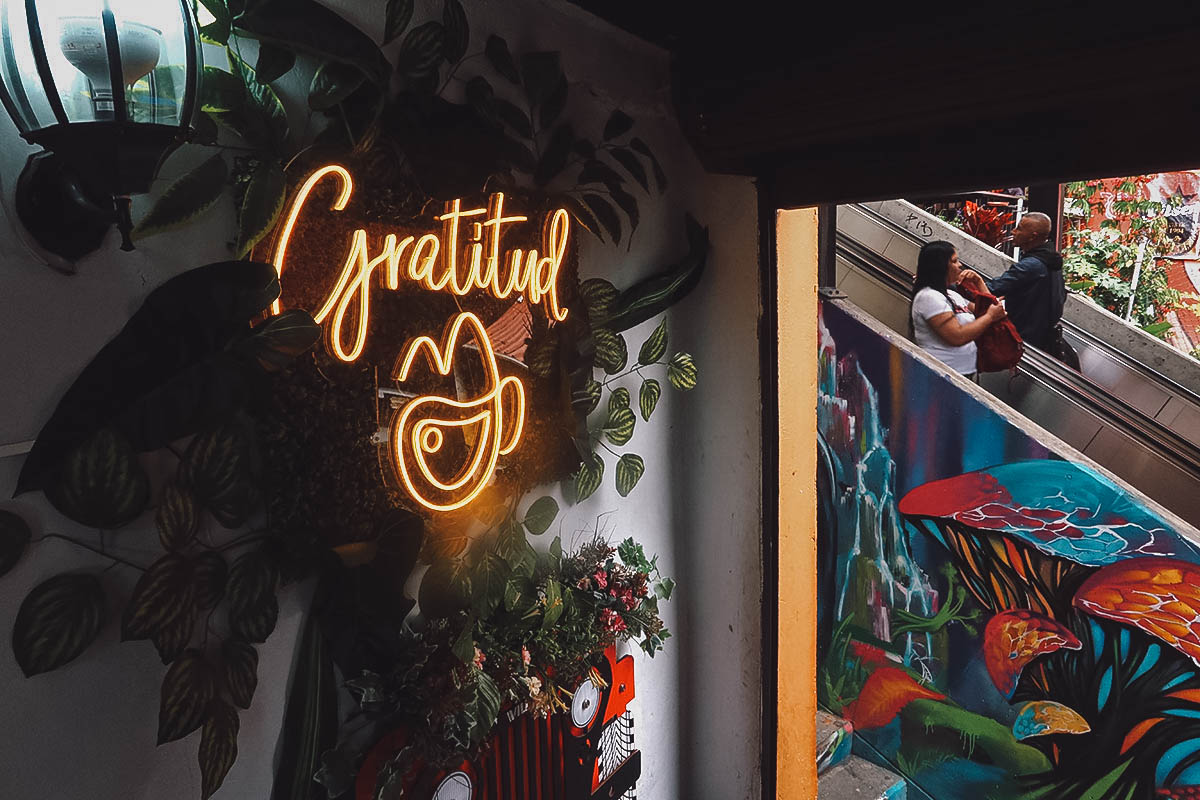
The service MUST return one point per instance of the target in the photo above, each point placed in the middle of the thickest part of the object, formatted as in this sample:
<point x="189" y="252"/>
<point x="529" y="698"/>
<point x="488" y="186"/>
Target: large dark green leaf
<point x="187" y="688"/>
<point x="168" y="372"/>
<point x="458" y="31"/>
<point x="253" y="605"/>
<point x="308" y="26"/>
<point x="172" y="640"/>
<point x="630" y="469"/>
<point x="497" y="53"/>
<point x="628" y="204"/>
<point x="619" y="426"/>
<point x="209" y="573"/>
<point x="541" y="72"/>
<point x="421" y="51"/>
<point x="273" y="62"/>
<point x="482" y="97"/>
<point x="487" y="584"/>
<point x="582" y="215"/>
<point x="177" y="517"/>
<point x="399" y="14"/>
<point x="445" y="588"/>
<point x="513" y="546"/>
<point x="554" y="158"/>
<point x="598" y="297"/>
<point x="652" y="296"/>
<point x="588" y="479"/>
<point x="100" y="483"/>
<point x="261" y="205"/>
<point x="56" y="622"/>
<point x="217" y="460"/>
<point x="596" y="171"/>
<point x="240" y="662"/>
<point x="14" y="537"/>
<point x="655" y="345"/>
<point x="619" y="123"/>
<point x="588" y="398"/>
<point x="606" y="214"/>
<point x="218" y="746"/>
<point x="630" y="162"/>
<point x="611" y="351"/>
<point x="310" y="722"/>
<point x="660" y="177"/>
<point x="648" y="397"/>
<point x="554" y="604"/>
<point x="260" y="118"/>
<point x="514" y="117"/>
<point x="682" y="372"/>
<point x="278" y="341"/>
<point x="332" y="83"/>
<point x="162" y="595"/>
<point x="218" y="30"/>
<point x="220" y="90"/>
<point x="541" y="514"/>
<point x="483" y="705"/>
<point x="555" y="102"/>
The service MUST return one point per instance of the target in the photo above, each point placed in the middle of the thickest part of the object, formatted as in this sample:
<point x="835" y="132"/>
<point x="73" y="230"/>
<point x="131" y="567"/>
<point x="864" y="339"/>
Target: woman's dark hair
<point x="933" y="263"/>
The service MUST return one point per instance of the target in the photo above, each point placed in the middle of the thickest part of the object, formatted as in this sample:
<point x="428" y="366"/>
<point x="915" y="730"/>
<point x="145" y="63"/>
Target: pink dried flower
<point x="600" y="578"/>
<point x="479" y="658"/>
<point x="612" y="621"/>
<point x="525" y="657"/>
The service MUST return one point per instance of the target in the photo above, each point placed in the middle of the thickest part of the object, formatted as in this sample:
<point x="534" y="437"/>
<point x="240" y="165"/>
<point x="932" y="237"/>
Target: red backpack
<point x="1000" y="346"/>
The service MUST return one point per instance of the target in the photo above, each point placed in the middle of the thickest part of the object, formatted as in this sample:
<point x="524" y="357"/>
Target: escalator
<point x="1135" y="409"/>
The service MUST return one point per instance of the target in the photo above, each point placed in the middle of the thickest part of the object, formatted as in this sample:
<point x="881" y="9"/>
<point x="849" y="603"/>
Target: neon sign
<point x="430" y="263"/>
<point x="417" y="430"/>
<point x="466" y="256"/>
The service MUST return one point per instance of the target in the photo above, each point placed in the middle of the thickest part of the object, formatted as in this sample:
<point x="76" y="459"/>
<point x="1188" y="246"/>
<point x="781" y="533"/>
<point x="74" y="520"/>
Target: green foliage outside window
<point x="1099" y="262"/>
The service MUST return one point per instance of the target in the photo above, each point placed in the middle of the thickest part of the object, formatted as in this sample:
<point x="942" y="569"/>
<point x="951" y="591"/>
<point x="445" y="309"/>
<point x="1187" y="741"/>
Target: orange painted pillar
<point x="796" y="262"/>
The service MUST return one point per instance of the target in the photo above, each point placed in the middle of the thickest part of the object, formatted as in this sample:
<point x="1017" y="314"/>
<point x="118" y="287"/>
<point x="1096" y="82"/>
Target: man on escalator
<point x="1033" y="288"/>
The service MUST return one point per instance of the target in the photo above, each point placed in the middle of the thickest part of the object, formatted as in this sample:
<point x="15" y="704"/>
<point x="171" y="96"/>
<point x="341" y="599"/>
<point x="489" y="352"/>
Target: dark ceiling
<point x="867" y="102"/>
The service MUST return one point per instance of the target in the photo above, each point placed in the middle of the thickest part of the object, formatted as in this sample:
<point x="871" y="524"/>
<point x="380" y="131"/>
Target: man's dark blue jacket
<point x="1034" y="292"/>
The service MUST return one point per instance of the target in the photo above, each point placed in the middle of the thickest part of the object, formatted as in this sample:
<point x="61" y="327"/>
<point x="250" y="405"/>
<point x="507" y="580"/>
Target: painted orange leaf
<point x="1161" y="596"/>
<point x="886" y="691"/>
<point x="1014" y="638"/>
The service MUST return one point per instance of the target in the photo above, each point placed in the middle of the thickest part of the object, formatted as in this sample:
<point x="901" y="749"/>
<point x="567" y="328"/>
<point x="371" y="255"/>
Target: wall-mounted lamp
<point x="108" y="88"/>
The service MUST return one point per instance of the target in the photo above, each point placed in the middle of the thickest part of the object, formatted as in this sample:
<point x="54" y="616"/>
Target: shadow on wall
<point x="997" y="622"/>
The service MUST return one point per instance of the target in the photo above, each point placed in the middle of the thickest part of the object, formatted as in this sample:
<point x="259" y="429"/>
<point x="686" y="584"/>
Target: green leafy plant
<point x="182" y="369"/>
<point x="527" y="630"/>
<point x="1114" y="222"/>
<point x="260" y="435"/>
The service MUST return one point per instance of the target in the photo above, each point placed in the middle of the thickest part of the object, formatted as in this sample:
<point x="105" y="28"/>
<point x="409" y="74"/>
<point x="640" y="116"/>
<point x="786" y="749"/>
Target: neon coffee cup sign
<point x="464" y="257"/>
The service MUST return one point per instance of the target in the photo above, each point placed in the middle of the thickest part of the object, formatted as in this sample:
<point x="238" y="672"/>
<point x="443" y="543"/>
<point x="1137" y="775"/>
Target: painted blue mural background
<point x="961" y="607"/>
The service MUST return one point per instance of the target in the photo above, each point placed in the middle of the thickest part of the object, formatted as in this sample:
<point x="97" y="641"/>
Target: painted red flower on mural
<point x="1160" y="596"/>
<point x="885" y="693"/>
<point x="1014" y="638"/>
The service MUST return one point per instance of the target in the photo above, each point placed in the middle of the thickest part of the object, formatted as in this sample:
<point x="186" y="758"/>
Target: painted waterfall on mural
<point x="996" y="622"/>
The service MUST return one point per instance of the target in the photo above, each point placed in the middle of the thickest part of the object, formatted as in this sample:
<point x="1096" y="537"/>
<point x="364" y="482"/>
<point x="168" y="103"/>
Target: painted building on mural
<point x="996" y="619"/>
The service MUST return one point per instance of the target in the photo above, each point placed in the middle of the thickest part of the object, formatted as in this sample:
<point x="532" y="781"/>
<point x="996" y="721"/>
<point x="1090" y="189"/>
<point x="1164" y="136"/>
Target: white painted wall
<point x="88" y="730"/>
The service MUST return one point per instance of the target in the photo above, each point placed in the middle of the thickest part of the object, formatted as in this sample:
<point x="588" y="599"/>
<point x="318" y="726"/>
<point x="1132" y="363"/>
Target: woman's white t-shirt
<point x="929" y="303"/>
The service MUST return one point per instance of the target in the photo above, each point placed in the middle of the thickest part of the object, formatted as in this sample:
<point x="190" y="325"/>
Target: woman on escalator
<point x="944" y="323"/>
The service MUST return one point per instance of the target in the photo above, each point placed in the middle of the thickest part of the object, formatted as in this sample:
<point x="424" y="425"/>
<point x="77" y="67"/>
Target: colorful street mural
<point x="996" y="622"/>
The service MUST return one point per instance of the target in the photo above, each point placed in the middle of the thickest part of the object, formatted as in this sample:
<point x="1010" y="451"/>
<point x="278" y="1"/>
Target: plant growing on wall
<point x="269" y="434"/>
<point x="186" y="367"/>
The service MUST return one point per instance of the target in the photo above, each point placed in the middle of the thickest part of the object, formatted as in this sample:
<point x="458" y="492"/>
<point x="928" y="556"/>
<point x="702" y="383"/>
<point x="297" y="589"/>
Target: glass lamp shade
<point x="109" y="86"/>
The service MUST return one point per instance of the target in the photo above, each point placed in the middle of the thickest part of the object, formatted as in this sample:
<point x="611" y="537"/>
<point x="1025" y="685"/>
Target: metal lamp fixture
<point x="108" y="89"/>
